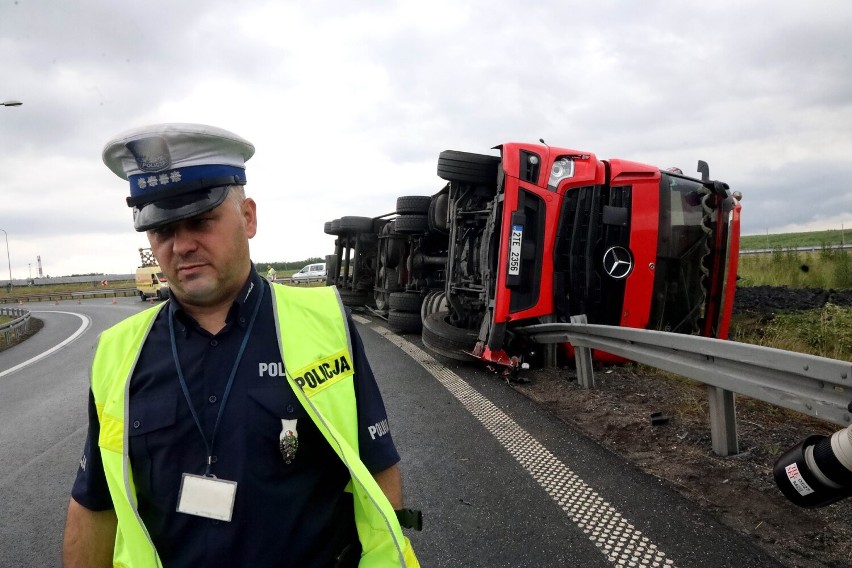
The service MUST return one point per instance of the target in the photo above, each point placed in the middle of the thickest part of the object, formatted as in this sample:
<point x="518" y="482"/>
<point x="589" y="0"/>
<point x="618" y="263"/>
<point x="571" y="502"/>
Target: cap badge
<point x="152" y="153"/>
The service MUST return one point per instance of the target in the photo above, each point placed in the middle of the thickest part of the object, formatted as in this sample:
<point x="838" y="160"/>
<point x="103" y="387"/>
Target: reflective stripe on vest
<point x="314" y="341"/>
<point x="118" y="350"/>
<point x="317" y="314"/>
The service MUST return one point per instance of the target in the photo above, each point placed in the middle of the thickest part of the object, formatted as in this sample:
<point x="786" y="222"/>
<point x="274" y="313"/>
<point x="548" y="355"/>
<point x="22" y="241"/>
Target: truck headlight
<point x="562" y="168"/>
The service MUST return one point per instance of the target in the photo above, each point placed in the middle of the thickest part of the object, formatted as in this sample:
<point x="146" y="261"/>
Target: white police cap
<point x="176" y="171"/>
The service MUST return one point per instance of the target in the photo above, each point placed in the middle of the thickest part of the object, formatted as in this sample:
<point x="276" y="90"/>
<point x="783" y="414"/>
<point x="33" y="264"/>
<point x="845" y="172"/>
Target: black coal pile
<point x="780" y="299"/>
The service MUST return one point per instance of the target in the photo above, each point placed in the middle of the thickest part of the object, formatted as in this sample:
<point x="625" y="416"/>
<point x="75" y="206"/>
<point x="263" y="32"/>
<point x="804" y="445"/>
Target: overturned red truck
<point x="540" y="234"/>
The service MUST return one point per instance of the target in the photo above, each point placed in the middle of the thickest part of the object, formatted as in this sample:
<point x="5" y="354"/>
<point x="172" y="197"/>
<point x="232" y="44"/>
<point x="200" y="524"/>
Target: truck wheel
<point x="435" y="301"/>
<point x="335" y="227"/>
<point x="448" y="340"/>
<point x="406" y="322"/>
<point x="406" y="302"/>
<point x="141" y="295"/>
<point x="467" y="167"/>
<point x="330" y="269"/>
<point x="353" y="299"/>
<point x="395" y="252"/>
<point x="413" y="204"/>
<point x="327" y="228"/>
<point x="412" y="224"/>
<point x="388" y="278"/>
<point x="356" y="224"/>
<point x="437" y="215"/>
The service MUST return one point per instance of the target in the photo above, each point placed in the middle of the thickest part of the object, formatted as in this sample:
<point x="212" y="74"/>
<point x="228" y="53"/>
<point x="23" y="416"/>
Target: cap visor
<point x="160" y="213"/>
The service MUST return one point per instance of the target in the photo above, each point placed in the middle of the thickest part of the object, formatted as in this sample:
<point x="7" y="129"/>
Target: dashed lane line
<point x="618" y="540"/>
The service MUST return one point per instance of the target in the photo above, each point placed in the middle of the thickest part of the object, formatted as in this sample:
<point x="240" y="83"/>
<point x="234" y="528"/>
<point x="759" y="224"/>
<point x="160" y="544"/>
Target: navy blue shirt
<point x="284" y="515"/>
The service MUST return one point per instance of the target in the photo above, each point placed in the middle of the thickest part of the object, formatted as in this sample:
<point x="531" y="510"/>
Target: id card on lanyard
<point x="206" y="495"/>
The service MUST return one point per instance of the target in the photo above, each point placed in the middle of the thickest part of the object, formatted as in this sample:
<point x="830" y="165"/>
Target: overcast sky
<point x="349" y="104"/>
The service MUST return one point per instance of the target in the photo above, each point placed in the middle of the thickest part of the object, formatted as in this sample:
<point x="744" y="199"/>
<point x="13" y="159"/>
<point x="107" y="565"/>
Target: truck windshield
<point x="679" y="294"/>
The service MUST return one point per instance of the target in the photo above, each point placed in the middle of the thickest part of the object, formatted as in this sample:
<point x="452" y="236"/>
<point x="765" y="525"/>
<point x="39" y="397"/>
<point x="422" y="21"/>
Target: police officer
<point x="239" y="423"/>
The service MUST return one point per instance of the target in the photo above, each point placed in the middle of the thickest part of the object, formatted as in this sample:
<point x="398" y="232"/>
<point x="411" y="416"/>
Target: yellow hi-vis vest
<point x="313" y="337"/>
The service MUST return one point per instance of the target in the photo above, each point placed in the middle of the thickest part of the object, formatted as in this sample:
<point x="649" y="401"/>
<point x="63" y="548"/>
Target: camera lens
<point x="818" y="471"/>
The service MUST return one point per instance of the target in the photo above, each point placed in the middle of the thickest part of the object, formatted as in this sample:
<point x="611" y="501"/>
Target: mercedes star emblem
<point x="617" y="262"/>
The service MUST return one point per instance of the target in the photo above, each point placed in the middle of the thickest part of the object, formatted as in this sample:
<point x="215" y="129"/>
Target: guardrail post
<point x="723" y="421"/>
<point x="549" y="348"/>
<point x="583" y="360"/>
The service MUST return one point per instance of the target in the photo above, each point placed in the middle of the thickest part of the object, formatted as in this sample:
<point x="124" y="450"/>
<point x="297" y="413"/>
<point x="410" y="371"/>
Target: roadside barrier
<point x="58" y="296"/>
<point x="18" y="326"/>
<point x="812" y="385"/>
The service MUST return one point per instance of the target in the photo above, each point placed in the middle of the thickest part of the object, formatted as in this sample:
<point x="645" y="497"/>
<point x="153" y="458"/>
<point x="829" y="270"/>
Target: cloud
<point x="349" y="104"/>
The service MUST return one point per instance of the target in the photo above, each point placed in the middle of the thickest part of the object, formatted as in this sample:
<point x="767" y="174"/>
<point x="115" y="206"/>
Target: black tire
<point x="467" y="167"/>
<point x="435" y="301"/>
<point x="353" y="299"/>
<point x="335" y="227"/>
<point x="395" y="252"/>
<point x="356" y="224"/>
<point x="389" y="281"/>
<point x="159" y="295"/>
<point x="391" y="278"/>
<point x="406" y="302"/>
<point x="330" y="269"/>
<point x="412" y="224"/>
<point x="141" y="295"/>
<point x="438" y="218"/>
<point x="413" y="204"/>
<point x="406" y="322"/>
<point x="327" y="228"/>
<point x="448" y="340"/>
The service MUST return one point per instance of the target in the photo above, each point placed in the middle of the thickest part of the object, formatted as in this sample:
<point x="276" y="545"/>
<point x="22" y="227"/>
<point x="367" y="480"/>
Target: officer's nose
<point x="184" y="240"/>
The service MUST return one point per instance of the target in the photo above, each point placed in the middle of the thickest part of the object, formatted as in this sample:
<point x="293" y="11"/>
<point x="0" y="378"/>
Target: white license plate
<point x="515" y="250"/>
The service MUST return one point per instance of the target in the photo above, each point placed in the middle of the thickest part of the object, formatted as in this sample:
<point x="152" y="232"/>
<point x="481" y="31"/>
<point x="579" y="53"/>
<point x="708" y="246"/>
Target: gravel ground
<point x="739" y="489"/>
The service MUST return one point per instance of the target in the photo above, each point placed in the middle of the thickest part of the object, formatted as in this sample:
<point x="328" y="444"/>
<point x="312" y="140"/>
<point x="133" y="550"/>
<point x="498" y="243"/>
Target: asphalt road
<point x="500" y="482"/>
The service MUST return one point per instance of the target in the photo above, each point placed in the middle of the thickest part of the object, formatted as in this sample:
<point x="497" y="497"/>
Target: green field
<point x="795" y="240"/>
<point x="827" y="269"/>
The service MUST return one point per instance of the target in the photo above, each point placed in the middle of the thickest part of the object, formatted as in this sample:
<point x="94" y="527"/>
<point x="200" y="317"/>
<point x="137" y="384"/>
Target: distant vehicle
<point x="310" y="272"/>
<point x="150" y="280"/>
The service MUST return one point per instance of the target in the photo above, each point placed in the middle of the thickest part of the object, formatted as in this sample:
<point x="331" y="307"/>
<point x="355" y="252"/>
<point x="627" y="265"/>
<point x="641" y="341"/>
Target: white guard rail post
<point x="812" y="385"/>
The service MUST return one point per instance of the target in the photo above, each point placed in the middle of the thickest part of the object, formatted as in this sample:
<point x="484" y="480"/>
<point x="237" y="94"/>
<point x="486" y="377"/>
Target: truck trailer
<point x="539" y="234"/>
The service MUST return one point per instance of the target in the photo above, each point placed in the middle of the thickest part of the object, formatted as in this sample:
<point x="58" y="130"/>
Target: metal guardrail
<point x="18" y="326"/>
<point x="814" y="248"/>
<point x="58" y="296"/>
<point x="298" y="282"/>
<point x="812" y="385"/>
<point x="114" y="292"/>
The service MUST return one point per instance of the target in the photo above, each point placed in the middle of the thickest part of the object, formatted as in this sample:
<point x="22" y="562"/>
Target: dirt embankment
<point x="739" y="489"/>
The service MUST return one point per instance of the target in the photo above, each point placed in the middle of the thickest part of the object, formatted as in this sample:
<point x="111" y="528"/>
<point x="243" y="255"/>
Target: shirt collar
<point x="239" y="313"/>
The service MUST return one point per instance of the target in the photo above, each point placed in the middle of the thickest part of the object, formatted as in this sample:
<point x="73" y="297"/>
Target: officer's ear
<point x="249" y="213"/>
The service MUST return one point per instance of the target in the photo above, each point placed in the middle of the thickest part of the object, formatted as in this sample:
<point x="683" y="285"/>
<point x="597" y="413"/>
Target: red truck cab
<point x="564" y="233"/>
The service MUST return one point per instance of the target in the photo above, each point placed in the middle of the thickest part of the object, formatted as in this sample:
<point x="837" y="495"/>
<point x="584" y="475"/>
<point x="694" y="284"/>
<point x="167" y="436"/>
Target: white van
<point x="310" y="273"/>
<point x="151" y="283"/>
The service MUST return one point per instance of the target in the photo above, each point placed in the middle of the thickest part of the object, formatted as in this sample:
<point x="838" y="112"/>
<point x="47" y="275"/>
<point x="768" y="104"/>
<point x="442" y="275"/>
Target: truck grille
<point x="593" y="218"/>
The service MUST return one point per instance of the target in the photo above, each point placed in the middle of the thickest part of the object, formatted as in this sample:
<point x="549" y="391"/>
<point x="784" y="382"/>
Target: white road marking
<point x="615" y="537"/>
<point x="86" y="323"/>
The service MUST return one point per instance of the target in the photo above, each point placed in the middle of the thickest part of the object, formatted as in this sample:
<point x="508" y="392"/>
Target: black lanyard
<point x="209" y="446"/>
